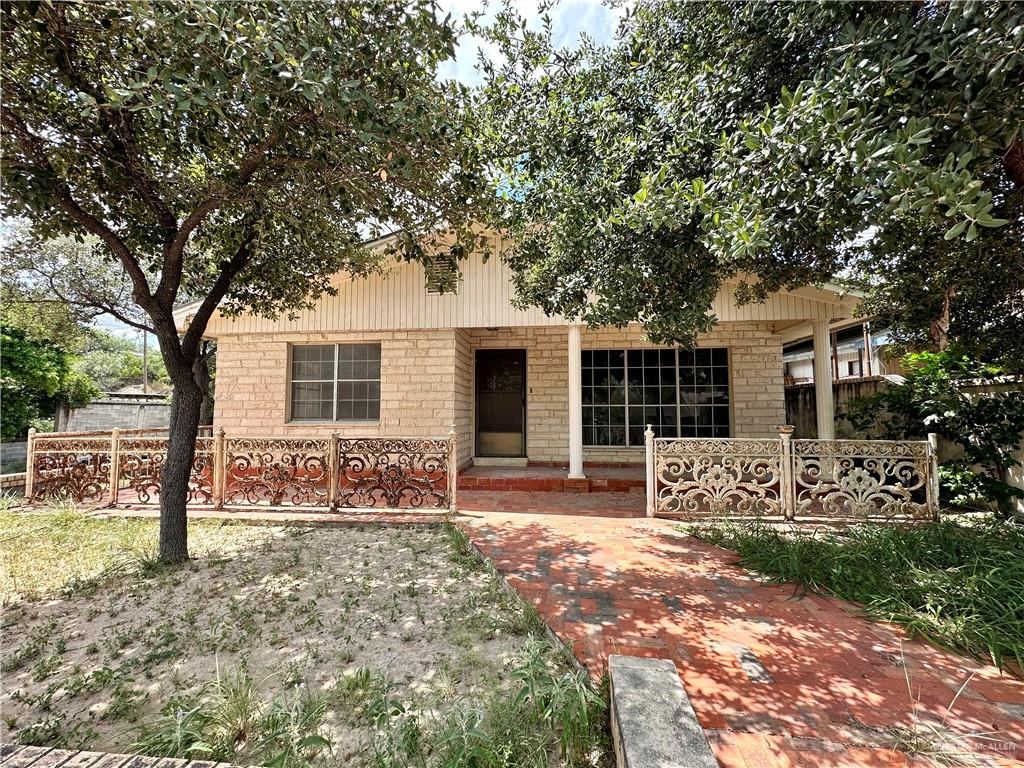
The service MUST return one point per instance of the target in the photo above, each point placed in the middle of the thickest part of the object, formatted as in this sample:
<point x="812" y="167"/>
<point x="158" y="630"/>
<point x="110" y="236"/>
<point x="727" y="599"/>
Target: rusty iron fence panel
<point x="69" y="466"/>
<point x="276" y="472"/>
<point x="384" y="472"/>
<point x="126" y="466"/>
<point x="140" y="462"/>
<point x="786" y="479"/>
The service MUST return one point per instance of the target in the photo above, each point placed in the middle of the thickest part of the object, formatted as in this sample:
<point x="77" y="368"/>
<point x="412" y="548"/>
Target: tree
<point x="71" y="272"/>
<point x="35" y="375"/>
<point x="238" y="152"/>
<point x="773" y="143"/>
<point x="114" y="362"/>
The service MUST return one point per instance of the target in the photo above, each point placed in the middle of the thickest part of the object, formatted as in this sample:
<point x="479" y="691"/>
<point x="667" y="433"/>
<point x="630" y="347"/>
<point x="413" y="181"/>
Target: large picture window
<point x="335" y="382"/>
<point x="681" y="392"/>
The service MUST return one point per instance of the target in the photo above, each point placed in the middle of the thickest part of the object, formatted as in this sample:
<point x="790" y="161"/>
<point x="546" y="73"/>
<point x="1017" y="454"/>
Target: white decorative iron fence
<point x="315" y="473"/>
<point x="788" y="479"/>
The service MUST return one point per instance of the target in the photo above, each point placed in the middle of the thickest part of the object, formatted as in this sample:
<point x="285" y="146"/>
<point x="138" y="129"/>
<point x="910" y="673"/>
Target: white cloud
<point x="569" y="20"/>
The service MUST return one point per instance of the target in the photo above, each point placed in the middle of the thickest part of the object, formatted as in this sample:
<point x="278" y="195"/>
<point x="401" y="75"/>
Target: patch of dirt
<point x="295" y="607"/>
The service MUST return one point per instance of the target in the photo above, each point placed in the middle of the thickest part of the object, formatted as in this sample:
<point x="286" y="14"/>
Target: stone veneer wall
<point x="417" y="384"/>
<point x="756" y="388"/>
<point x="427" y="383"/>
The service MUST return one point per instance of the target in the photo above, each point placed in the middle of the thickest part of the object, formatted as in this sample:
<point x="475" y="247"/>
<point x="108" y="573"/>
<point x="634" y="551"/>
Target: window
<point x="681" y="393"/>
<point x="335" y="382"/>
<point x="853" y="368"/>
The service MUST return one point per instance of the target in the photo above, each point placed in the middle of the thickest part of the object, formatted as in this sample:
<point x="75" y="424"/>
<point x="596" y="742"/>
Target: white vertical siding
<point x="398" y="300"/>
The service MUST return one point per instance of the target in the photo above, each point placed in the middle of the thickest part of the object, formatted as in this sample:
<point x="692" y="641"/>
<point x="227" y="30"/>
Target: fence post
<point x="787" y="491"/>
<point x="933" y="474"/>
<point x="453" y="469"/>
<point x="332" y="472"/>
<point x="651" y="490"/>
<point x="30" y="463"/>
<point x="218" y="469"/>
<point x="115" y="461"/>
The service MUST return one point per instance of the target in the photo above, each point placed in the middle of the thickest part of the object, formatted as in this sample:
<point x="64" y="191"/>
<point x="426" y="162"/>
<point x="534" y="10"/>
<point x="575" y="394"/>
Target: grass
<point x="958" y="586"/>
<point x="60" y="549"/>
<point x="288" y="646"/>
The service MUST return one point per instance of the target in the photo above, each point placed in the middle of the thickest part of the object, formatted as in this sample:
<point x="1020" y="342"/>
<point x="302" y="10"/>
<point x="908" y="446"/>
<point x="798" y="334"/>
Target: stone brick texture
<point x="427" y="383"/>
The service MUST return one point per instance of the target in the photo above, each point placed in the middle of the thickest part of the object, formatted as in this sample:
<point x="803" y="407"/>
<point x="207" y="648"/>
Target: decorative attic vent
<point x="442" y="271"/>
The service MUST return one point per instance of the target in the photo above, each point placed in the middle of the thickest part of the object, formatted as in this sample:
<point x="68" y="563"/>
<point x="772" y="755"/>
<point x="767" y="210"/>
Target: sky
<point x="570" y="19"/>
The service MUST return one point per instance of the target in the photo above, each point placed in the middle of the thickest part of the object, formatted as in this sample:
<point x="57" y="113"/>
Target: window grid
<point x="679" y="392"/>
<point x="335" y="382"/>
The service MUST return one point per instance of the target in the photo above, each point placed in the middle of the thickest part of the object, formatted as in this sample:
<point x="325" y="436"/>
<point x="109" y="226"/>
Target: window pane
<point x="312" y="362"/>
<point x="344" y="409"/>
<point x="316" y="395"/>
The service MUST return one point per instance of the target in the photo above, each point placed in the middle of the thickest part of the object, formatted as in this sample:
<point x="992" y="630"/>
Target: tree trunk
<point x="186" y="407"/>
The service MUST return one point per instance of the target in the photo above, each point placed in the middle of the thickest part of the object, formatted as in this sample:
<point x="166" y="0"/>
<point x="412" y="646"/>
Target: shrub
<point x="937" y="397"/>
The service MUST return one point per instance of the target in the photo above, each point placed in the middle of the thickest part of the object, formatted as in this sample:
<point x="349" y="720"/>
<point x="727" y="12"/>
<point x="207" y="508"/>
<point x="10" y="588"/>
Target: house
<point x="857" y="351"/>
<point x="387" y="356"/>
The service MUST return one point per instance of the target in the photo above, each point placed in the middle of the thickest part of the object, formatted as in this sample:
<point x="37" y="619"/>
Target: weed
<point x="52" y="733"/>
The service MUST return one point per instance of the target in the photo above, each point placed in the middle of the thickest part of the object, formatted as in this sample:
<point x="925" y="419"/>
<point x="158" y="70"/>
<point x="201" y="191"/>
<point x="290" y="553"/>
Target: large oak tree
<point x="239" y="152"/>
<point x="785" y="141"/>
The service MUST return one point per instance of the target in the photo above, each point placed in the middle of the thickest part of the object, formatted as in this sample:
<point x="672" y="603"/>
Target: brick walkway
<point x="775" y="679"/>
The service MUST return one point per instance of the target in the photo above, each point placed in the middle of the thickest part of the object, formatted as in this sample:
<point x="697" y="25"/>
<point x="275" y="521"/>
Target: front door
<point x="501" y="402"/>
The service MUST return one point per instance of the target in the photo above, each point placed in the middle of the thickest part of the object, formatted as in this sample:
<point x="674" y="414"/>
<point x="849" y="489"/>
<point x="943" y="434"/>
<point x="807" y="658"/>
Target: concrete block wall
<point x="120" y="412"/>
<point x="427" y="383"/>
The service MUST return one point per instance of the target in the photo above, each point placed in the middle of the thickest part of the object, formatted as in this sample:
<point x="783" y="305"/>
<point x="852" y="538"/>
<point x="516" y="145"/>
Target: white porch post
<point x="575" y="404"/>
<point x="825" y="405"/>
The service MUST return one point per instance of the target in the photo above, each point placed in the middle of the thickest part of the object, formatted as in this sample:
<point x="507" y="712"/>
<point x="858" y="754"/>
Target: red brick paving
<point x="776" y="679"/>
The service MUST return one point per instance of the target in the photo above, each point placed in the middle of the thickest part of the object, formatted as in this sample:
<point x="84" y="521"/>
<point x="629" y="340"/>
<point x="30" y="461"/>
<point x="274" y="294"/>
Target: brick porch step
<point x="551" y="479"/>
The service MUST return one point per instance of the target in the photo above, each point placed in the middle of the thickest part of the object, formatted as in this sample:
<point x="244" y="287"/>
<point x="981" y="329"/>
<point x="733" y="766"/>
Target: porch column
<point x="825" y="406"/>
<point x="575" y="405"/>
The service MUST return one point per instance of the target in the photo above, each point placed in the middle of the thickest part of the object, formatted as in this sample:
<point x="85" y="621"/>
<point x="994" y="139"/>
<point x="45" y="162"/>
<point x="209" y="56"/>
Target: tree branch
<point x="196" y="328"/>
<point x="255" y="160"/>
<point x="120" y="131"/>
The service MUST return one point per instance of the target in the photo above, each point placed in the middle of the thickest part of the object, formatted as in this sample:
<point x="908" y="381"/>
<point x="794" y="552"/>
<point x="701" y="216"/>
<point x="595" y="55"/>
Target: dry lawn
<point x="275" y="644"/>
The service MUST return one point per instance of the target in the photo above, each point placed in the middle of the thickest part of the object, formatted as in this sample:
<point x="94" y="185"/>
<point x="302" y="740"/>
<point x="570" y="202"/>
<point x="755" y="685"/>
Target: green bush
<point x="960" y="587"/>
<point x="941" y="394"/>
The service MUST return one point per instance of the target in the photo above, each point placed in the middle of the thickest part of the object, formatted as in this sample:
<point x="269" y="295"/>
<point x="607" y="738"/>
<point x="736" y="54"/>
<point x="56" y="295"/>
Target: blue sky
<point x="570" y="19"/>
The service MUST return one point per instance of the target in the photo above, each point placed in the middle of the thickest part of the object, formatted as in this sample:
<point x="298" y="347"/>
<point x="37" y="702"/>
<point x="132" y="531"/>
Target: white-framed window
<point x="335" y="382"/>
<point x="680" y="392"/>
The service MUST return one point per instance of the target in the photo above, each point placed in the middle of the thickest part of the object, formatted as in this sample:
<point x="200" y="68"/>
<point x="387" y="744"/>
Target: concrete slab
<point x="653" y="723"/>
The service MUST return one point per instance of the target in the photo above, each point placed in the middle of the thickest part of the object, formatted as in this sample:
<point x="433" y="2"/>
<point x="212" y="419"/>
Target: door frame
<point x="476" y="399"/>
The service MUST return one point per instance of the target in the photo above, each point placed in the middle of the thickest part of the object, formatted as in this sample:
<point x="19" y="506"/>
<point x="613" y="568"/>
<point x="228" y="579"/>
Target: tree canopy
<point x="35" y="375"/>
<point x="240" y="153"/>
<point x="781" y="144"/>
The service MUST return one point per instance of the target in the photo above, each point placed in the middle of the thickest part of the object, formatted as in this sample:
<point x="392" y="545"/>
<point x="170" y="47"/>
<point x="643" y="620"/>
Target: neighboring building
<point x="851" y="359"/>
<point x="387" y="356"/>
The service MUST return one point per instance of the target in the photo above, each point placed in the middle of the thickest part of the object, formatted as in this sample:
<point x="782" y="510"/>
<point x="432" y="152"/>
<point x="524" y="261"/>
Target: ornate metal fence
<point x="717" y="476"/>
<point x="316" y="473"/>
<point x="788" y="479"/>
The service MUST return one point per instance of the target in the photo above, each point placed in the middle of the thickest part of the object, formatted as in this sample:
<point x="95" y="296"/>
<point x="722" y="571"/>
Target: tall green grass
<point x="960" y="587"/>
